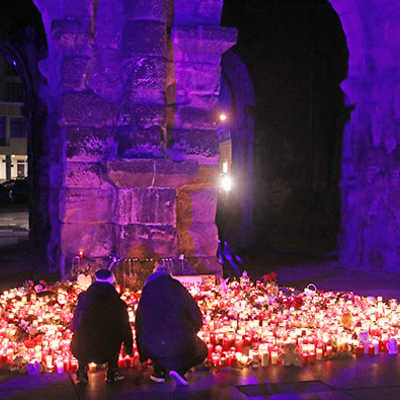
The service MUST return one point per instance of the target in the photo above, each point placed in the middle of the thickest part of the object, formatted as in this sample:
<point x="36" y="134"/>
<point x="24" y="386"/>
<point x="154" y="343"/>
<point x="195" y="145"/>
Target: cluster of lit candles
<point x="245" y="323"/>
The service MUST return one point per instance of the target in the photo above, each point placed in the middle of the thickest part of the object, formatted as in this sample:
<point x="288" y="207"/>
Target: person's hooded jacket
<point x="100" y="324"/>
<point x="167" y="318"/>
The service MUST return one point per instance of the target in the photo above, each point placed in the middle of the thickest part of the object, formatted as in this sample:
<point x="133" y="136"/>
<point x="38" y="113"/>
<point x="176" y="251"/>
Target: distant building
<point x="13" y="131"/>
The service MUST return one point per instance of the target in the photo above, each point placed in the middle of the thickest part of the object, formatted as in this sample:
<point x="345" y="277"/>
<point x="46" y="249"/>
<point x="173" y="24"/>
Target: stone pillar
<point x="122" y="179"/>
<point x="193" y="89"/>
<point x="371" y="163"/>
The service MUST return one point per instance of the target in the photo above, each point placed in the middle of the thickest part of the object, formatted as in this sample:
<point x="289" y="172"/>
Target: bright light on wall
<point x="223" y="117"/>
<point x="225" y="167"/>
<point x="226" y="183"/>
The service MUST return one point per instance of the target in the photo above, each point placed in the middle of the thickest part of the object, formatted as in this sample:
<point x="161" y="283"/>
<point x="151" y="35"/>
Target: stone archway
<point x="237" y="99"/>
<point x="23" y="44"/>
<point x="370" y="179"/>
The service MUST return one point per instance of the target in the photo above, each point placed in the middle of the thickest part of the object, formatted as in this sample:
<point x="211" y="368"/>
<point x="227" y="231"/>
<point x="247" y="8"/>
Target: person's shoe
<point x="158" y="374"/>
<point x="114" y="377"/>
<point x="82" y="377"/>
<point x="158" y="378"/>
<point x="179" y="379"/>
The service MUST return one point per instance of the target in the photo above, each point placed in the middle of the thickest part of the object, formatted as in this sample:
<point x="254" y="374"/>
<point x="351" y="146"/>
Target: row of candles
<point x="245" y="323"/>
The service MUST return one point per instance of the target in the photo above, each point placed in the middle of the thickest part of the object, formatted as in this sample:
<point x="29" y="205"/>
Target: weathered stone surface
<point x="86" y="109"/>
<point x="173" y="174"/>
<point x="195" y="118"/>
<point x="160" y="173"/>
<point x="78" y="9"/>
<point x="145" y="9"/>
<point x="71" y="35"/>
<point x="146" y="116"/>
<point x="197" y="58"/>
<point x="197" y="12"/>
<point x="146" y="82"/>
<point x="207" y="177"/>
<point x="147" y="96"/>
<point x="146" y="206"/>
<point x="203" y="39"/>
<point x="87" y="206"/>
<point x="108" y="24"/>
<point x="131" y="173"/>
<point x="90" y="144"/>
<point x="96" y="240"/>
<point x="196" y="142"/>
<point x="148" y="72"/>
<point x="203" y="79"/>
<point x="134" y="142"/>
<point x="207" y="102"/>
<point x="144" y="37"/>
<point x="198" y="240"/>
<point x="146" y="240"/>
<point x="194" y="207"/>
<point x="106" y="74"/>
<point x="74" y="71"/>
<point x="85" y="175"/>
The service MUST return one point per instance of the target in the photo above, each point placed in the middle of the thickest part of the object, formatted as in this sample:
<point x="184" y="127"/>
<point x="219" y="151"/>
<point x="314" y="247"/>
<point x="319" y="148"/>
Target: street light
<point x="226" y="182"/>
<point x="223" y="117"/>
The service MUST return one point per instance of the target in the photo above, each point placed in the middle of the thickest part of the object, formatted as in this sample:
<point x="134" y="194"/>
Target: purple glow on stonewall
<point x="114" y="103"/>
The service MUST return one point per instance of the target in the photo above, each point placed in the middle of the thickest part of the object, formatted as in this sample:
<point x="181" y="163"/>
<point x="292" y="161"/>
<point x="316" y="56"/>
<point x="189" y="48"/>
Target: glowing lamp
<point x="81" y="253"/>
<point x="226" y="183"/>
<point x="223" y="117"/>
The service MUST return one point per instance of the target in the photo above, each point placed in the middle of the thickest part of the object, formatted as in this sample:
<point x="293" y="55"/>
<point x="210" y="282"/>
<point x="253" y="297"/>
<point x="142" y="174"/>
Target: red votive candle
<point x="210" y="351"/>
<point x="238" y="344"/>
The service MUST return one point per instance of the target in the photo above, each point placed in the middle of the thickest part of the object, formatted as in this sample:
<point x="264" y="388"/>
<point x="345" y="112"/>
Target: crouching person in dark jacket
<point x="167" y="322"/>
<point x="100" y="325"/>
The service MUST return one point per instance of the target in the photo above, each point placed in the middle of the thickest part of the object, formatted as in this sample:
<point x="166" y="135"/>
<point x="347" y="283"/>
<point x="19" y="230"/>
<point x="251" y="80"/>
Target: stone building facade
<point x="129" y="106"/>
<point x="123" y="104"/>
<point x="370" y="181"/>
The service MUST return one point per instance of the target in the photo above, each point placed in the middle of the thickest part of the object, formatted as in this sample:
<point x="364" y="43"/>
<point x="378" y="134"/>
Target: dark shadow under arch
<point x="235" y="209"/>
<point x="23" y="44"/>
<point x="297" y="56"/>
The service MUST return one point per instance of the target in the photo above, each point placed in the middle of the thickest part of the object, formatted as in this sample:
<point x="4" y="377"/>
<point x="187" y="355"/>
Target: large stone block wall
<point x="132" y="94"/>
<point x="371" y="154"/>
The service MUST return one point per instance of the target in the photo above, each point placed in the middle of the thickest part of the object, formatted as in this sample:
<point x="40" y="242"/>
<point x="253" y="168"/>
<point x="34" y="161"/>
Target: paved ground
<point x="367" y="378"/>
<point x="14" y="224"/>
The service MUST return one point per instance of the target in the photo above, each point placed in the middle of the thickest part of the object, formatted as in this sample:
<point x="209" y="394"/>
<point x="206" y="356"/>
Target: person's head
<point x="105" y="276"/>
<point x="161" y="269"/>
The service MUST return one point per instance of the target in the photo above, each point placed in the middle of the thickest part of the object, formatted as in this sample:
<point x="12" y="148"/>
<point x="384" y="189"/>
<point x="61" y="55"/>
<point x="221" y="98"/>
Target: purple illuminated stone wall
<point x="132" y="95"/>
<point x="371" y="155"/>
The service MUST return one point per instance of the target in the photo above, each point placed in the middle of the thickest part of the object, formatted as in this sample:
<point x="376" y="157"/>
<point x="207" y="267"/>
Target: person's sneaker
<point x="158" y="374"/>
<point x="114" y="376"/>
<point x="179" y="379"/>
<point x="82" y="377"/>
<point x="158" y="378"/>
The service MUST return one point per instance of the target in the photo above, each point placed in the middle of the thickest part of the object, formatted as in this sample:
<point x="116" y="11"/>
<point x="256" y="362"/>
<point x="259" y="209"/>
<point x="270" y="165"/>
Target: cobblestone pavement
<point x="366" y="378"/>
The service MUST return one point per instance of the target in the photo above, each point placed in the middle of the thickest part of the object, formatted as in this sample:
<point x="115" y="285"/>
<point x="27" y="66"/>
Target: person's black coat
<point x="100" y="324"/>
<point x="167" y="319"/>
